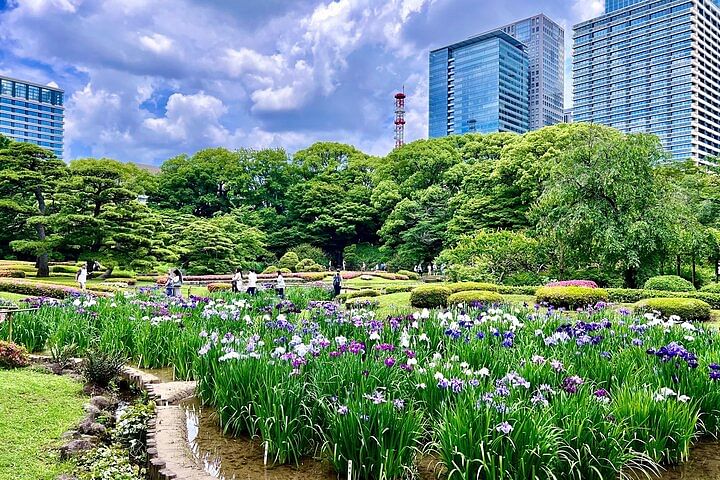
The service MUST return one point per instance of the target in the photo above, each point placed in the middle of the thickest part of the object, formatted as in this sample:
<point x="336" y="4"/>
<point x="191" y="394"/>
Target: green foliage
<point x="409" y="274"/>
<point x="105" y="463"/>
<point x="466" y="286"/>
<point x="570" y="297"/>
<point x="358" y="254"/>
<point x="305" y="250"/>
<point x="628" y="295"/>
<point x="271" y="269"/>
<point x="669" y="283"/>
<point x="711" y="288"/>
<point x="688" y="309"/>
<point x="398" y="288"/>
<point x="308" y="265"/>
<point x="524" y="278"/>
<point x="429" y="296"/>
<point x="64" y="269"/>
<point x="101" y="367"/>
<point x="13" y="355"/>
<point x="362" y="293"/>
<point x="289" y="260"/>
<point x="131" y="430"/>
<point x="467" y="297"/>
<point x="219" y="287"/>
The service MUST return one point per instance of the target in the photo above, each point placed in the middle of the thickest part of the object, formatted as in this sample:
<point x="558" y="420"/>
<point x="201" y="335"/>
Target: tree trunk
<point x="107" y="272"/>
<point x="630" y="278"/>
<point x="42" y="259"/>
<point x="693" y="269"/>
<point x="677" y="265"/>
<point x="662" y="265"/>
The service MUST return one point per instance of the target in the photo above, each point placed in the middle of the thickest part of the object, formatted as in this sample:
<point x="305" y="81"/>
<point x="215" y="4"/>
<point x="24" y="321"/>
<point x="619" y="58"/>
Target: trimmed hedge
<point x="668" y="283"/>
<point x="361" y="293"/>
<point x="513" y="290"/>
<point x="271" y="269"/>
<point x="571" y="297"/>
<point x="64" y="269"/>
<point x="398" y="288"/>
<point x="573" y="283"/>
<point x="627" y="295"/>
<point x="12" y="274"/>
<point x="409" y="274"/>
<point x="122" y="274"/>
<point x="688" y="309"/>
<point x="471" y="296"/>
<point x="129" y="281"/>
<point x="429" y="296"/>
<point x="711" y="288"/>
<point x="219" y="287"/>
<point x="31" y="289"/>
<point x="25" y="267"/>
<point x="467" y="286"/>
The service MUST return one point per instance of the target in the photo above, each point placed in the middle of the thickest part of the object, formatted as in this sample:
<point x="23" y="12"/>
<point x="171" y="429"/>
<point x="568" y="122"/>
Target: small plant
<point x="63" y="355"/>
<point x="429" y="296"/>
<point x="101" y="368"/>
<point x="669" y="283"/>
<point x="688" y="309"/>
<point x="131" y="430"/>
<point x="107" y="463"/>
<point x="13" y="355"/>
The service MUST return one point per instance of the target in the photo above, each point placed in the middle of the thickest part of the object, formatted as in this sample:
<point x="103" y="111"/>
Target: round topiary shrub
<point x="13" y="355"/>
<point x="219" y="287"/>
<point x="688" y="309"/>
<point x="289" y="260"/>
<point x="669" y="283"/>
<point x="711" y="288"/>
<point x="469" y="297"/>
<point x="429" y="296"/>
<point x="271" y="269"/>
<point x="362" y="293"/>
<point x="64" y="269"/>
<point x="398" y="288"/>
<point x="285" y="270"/>
<point x="409" y="274"/>
<point x="467" y="286"/>
<point x="570" y="297"/>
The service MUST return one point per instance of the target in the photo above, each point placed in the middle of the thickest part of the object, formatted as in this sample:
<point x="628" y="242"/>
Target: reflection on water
<point x="165" y="375"/>
<point x="228" y="458"/>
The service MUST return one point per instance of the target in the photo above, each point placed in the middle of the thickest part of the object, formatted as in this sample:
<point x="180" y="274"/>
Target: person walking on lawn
<point x="81" y="277"/>
<point x="252" y="283"/>
<point x="280" y="286"/>
<point x="337" y="283"/>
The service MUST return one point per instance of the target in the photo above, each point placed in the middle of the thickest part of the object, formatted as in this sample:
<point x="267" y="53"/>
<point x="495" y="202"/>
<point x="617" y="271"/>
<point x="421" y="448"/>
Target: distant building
<point x="653" y="66"/>
<point x="34" y="113"/>
<point x="568" y="115"/>
<point x="545" y="41"/>
<point x="479" y="85"/>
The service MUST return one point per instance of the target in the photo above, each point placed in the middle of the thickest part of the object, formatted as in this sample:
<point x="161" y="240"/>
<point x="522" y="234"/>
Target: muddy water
<point x="164" y="374"/>
<point x="228" y="458"/>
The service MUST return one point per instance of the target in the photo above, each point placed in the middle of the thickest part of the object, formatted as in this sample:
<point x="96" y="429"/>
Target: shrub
<point x="107" y="462"/>
<point x="669" y="283"/>
<point x="12" y="274"/>
<point x="570" y="297"/>
<point x="127" y="281"/>
<point x="390" y="276"/>
<point x="101" y="368"/>
<point x="466" y="286"/>
<point x="289" y="260"/>
<point x="511" y="290"/>
<point x="523" y="278"/>
<point x="131" y="430"/>
<point x="628" y="295"/>
<point x="362" y="293"/>
<point x="285" y="270"/>
<point x="468" y="297"/>
<point x="146" y="278"/>
<point x="218" y="287"/>
<point x="270" y="269"/>
<point x="13" y="355"/>
<point x="314" y="277"/>
<point x="64" y="269"/>
<point x="308" y="265"/>
<point x="305" y="250"/>
<point x="25" y="287"/>
<point x="409" y="274"/>
<point x="121" y="274"/>
<point x="398" y="288"/>
<point x="711" y="288"/>
<point x="573" y="283"/>
<point x="429" y="296"/>
<point x="688" y="309"/>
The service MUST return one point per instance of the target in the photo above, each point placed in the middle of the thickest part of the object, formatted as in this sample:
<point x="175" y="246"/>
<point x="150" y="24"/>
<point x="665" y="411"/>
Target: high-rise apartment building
<point x="653" y="66"/>
<point x="568" y="115"/>
<point x="479" y="85"/>
<point x="545" y="41"/>
<point x="32" y="113"/>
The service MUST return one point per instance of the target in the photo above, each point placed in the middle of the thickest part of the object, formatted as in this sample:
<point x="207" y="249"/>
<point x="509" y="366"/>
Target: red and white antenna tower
<point x="400" y="118"/>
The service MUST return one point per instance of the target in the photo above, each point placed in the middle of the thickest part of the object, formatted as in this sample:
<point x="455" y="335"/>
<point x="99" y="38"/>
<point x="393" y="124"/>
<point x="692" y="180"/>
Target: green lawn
<point x="35" y="410"/>
<point x="13" y="297"/>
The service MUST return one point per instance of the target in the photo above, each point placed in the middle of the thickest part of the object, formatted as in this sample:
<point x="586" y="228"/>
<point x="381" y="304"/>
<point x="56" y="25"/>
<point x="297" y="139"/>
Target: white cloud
<point x="157" y="43"/>
<point x="587" y="9"/>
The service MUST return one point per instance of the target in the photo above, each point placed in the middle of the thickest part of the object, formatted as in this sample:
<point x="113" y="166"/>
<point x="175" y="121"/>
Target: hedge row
<point x="12" y="274"/>
<point x="44" y="289"/>
<point x="513" y="290"/>
<point x="626" y="295"/>
<point x="468" y="297"/>
<point x="430" y="296"/>
<point x="570" y="297"/>
<point x="409" y="274"/>
<point x="688" y="309"/>
<point x="399" y="288"/>
<point x="468" y="286"/>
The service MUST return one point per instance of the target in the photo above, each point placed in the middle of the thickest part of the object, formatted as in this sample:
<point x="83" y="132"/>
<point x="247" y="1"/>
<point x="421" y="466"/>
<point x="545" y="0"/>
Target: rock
<point x="74" y="448"/>
<point x="103" y="403"/>
<point x="70" y="435"/>
<point x="92" y="428"/>
<point x="92" y="411"/>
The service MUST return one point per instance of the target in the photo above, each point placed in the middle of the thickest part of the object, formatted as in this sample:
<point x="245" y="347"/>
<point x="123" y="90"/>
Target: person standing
<point x="169" y="283"/>
<point x="81" y="277"/>
<point x="177" y="282"/>
<point x="280" y="286"/>
<point x="337" y="283"/>
<point x="344" y="269"/>
<point x="364" y="266"/>
<point x="252" y="283"/>
<point x="236" y="281"/>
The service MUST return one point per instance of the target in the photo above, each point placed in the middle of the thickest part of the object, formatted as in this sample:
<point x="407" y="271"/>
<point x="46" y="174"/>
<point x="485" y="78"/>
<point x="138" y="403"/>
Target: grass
<point x="35" y="410"/>
<point x="13" y="297"/>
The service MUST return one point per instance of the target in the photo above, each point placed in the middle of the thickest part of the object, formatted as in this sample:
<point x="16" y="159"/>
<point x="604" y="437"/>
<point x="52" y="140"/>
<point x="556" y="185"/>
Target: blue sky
<point x="149" y="79"/>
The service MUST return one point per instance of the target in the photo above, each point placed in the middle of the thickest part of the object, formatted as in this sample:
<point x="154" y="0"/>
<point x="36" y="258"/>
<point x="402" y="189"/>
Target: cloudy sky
<point x="149" y="79"/>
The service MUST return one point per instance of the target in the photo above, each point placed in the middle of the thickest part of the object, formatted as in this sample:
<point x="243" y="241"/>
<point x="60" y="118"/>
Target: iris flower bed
<point x="488" y="392"/>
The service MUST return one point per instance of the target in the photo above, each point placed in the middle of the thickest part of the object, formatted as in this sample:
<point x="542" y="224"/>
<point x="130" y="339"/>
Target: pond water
<point x="228" y="458"/>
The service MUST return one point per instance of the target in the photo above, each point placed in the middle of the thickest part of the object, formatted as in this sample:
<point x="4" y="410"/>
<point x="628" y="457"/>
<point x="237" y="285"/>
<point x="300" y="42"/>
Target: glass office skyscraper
<point x="32" y="113"/>
<point x="479" y="85"/>
<point x="545" y="42"/>
<point x="653" y="66"/>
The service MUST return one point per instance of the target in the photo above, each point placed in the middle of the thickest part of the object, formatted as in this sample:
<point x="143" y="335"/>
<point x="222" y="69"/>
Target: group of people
<point x="236" y="283"/>
<point x="432" y="268"/>
<point x="174" y="282"/>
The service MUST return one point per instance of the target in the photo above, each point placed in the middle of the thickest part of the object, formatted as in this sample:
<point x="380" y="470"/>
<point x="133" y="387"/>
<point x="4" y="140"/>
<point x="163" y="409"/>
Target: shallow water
<point x="228" y="458"/>
<point x="164" y="374"/>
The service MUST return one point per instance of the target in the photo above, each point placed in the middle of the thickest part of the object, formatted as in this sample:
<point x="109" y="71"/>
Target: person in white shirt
<point x="280" y="286"/>
<point x="177" y="282"/>
<point x="252" y="283"/>
<point x="81" y="277"/>
<point x="236" y="281"/>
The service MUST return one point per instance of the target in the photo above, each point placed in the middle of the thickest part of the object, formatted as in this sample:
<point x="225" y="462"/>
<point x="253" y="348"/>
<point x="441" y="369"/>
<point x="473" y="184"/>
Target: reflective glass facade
<point x="32" y="113"/>
<point x="653" y="67"/>
<point x="612" y="5"/>
<point x="479" y="85"/>
<point x="545" y="41"/>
